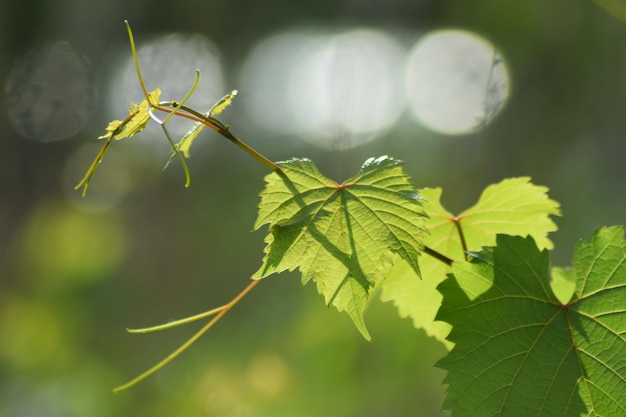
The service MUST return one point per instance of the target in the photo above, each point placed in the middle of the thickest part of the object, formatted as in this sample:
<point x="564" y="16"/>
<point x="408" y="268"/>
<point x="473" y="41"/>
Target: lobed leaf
<point x="138" y="117"/>
<point x="185" y="143"/>
<point x="519" y="350"/>
<point x="341" y="235"/>
<point x="223" y="103"/>
<point x="513" y="206"/>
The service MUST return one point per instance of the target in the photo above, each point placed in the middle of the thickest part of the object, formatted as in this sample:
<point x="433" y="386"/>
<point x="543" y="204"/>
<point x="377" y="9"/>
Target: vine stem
<point x="199" y="117"/>
<point x="179" y="109"/>
<point x="457" y="224"/>
<point x="437" y="255"/>
<point x="172" y="144"/>
<point x="219" y="127"/>
<point x="176" y="108"/>
<point x="220" y="312"/>
<point x="94" y="165"/>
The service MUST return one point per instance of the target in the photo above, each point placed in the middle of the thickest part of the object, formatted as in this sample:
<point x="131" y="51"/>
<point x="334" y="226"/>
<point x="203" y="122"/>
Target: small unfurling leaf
<point x="224" y="102"/>
<point x="185" y="143"/>
<point x="138" y="117"/>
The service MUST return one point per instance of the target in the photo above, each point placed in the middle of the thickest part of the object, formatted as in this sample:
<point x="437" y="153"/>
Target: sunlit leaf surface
<point x="341" y="235"/>
<point x="185" y="143"/>
<point x="139" y="118"/>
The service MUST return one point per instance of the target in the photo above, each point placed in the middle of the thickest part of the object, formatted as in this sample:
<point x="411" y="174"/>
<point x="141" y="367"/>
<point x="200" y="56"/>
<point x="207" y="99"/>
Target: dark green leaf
<point x="519" y="350"/>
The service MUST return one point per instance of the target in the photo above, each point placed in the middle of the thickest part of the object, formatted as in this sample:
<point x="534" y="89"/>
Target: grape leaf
<point x="185" y="143"/>
<point x="340" y="235"/>
<point x="519" y="351"/>
<point x="138" y="118"/>
<point x="222" y="103"/>
<point x="513" y="206"/>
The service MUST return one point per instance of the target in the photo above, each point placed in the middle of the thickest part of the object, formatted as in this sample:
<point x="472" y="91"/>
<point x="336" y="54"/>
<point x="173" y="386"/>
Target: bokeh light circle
<point x="336" y="91"/>
<point x="457" y="81"/>
<point x="265" y="73"/>
<point x="50" y="94"/>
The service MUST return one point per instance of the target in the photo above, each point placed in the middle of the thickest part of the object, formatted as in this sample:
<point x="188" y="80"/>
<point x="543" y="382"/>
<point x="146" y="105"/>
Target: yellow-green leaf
<point x="224" y="102"/>
<point x="138" y="117"/>
<point x="514" y="206"/>
<point x="341" y="236"/>
<point x="185" y="143"/>
<point x="111" y="128"/>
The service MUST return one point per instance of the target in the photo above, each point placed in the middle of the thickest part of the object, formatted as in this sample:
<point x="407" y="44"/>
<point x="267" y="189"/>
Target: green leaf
<point x="222" y="103"/>
<point x="519" y="351"/>
<point x="513" y="206"/>
<point x="417" y="297"/>
<point x="138" y="118"/>
<point x="185" y="143"/>
<point x="341" y="235"/>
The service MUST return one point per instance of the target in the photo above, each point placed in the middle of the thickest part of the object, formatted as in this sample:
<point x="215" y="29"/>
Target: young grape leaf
<point x="519" y="351"/>
<point x="341" y="235"/>
<point x="513" y="206"/>
<point x="138" y="118"/>
<point x="185" y="143"/>
<point x="222" y="103"/>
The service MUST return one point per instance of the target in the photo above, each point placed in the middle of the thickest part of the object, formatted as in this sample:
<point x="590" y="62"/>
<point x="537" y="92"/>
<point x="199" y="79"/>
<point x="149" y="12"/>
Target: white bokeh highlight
<point x="336" y="91"/>
<point x="456" y="81"/>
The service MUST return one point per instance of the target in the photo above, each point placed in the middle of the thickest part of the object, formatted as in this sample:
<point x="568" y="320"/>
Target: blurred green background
<point x="141" y="249"/>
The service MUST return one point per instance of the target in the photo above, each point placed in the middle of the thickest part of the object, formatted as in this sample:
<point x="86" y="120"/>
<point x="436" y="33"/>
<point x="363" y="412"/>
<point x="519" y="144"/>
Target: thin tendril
<point x="190" y="341"/>
<point x="136" y="60"/>
<point x="96" y="162"/>
<point x="180" y="322"/>
<point x="92" y="168"/>
<point x="181" y="158"/>
<point x="184" y="100"/>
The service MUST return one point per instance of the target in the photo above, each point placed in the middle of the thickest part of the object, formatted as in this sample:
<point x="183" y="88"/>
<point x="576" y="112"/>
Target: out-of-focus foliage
<point x="617" y="7"/>
<point x="75" y="273"/>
